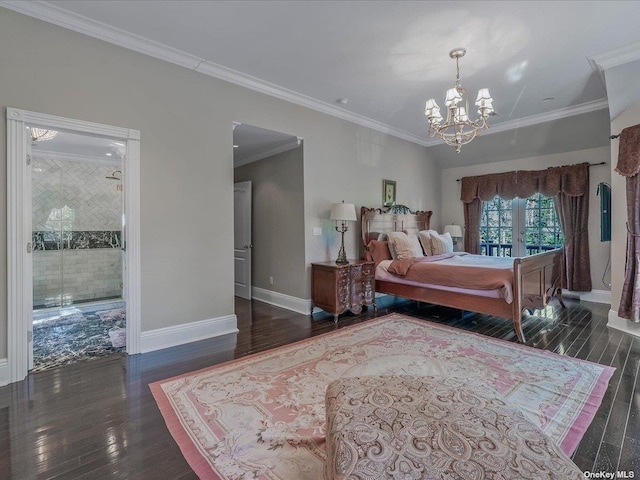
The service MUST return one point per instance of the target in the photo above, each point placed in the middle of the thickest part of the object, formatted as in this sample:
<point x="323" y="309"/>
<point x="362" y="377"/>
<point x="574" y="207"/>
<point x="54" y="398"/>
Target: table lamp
<point x="455" y="231"/>
<point x="342" y="212"/>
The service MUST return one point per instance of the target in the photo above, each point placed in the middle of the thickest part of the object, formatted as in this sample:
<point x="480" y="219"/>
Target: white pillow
<point x="402" y="246"/>
<point x="441" y="243"/>
<point x="425" y="240"/>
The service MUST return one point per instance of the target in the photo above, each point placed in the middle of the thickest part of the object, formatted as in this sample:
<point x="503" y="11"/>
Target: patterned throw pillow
<point x="404" y="246"/>
<point x="434" y="427"/>
<point x="441" y="243"/>
<point x="425" y="240"/>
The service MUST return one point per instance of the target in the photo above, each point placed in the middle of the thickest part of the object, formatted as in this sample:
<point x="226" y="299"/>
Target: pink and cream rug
<point x="263" y="417"/>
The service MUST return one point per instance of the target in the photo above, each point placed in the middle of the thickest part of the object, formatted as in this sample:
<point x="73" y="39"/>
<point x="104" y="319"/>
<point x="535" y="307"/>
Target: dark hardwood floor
<point x="97" y="419"/>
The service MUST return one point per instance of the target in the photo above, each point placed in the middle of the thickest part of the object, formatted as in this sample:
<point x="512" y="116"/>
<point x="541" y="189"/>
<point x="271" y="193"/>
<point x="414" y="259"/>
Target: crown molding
<point x="539" y="118"/>
<point x="79" y="23"/>
<point x="253" y="83"/>
<point x="613" y="58"/>
<point x="92" y="28"/>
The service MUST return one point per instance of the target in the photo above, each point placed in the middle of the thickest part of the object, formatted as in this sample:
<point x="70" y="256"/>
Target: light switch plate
<point x="317" y="231"/>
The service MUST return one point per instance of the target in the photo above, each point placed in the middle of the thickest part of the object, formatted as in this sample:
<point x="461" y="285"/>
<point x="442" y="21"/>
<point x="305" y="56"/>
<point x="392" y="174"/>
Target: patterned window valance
<point x="571" y="180"/>
<point x="629" y="152"/>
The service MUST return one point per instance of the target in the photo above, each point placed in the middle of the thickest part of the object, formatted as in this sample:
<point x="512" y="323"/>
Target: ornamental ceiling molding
<point x="81" y="24"/>
<point x="617" y="56"/>
<point x="613" y="58"/>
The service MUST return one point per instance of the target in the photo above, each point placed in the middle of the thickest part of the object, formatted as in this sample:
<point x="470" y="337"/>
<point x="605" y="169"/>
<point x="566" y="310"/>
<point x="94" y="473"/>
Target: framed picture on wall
<point x="388" y="192"/>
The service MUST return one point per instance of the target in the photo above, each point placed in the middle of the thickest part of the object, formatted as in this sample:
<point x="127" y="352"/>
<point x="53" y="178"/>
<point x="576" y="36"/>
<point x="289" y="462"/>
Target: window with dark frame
<point x="534" y="217"/>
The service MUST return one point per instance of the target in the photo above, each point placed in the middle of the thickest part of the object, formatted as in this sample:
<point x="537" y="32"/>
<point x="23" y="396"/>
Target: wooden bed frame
<point x="536" y="278"/>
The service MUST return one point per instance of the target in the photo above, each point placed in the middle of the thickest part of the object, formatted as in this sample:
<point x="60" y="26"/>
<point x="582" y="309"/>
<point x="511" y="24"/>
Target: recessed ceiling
<point x="81" y="147"/>
<point x="385" y="57"/>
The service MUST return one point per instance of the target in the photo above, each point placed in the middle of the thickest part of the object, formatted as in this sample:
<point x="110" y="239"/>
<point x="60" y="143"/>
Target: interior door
<point x="242" y="239"/>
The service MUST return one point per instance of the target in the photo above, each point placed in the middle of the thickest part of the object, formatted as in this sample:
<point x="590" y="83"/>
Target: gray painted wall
<point x="185" y="119"/>
<point x="578" y="132"/>
<point x="277" y="226"/>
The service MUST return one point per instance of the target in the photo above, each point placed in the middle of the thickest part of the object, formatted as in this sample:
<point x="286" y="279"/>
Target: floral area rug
<point x="75" y="334"/>
<point x="263" y="416"/>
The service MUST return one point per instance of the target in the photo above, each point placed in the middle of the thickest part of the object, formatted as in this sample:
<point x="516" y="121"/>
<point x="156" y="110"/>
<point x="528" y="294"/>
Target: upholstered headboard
<point x="377" y="222"/>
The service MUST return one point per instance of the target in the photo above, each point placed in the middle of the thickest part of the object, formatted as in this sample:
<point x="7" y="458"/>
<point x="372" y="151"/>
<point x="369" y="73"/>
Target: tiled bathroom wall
<point x="77" y="218"/>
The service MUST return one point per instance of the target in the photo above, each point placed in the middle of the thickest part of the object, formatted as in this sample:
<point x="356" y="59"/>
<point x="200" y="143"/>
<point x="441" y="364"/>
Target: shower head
<point x="113" y="175"/>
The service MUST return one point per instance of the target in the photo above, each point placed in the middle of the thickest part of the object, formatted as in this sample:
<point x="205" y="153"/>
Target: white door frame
<point x="19" y="225"/>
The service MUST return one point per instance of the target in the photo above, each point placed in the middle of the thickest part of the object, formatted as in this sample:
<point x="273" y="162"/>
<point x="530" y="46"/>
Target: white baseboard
<point x="303" y="306"/>
<point x="295" y="304"/>
<point x="4" y="372"/>
<point x="623" y="324"/>
<point x="595" y="296"/>
<point x="190" y="332"/>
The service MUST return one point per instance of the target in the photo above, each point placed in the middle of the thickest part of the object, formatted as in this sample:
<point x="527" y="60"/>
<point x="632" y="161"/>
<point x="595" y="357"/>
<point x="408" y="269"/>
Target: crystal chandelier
<point x="41" y="134"/>
<point x="458" y="129"/>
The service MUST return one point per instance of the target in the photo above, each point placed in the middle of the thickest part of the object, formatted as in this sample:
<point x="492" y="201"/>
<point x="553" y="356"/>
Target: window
<point x="532" y="219"/>
<point x="541" y="225"/>
<point x="496" y="228"/>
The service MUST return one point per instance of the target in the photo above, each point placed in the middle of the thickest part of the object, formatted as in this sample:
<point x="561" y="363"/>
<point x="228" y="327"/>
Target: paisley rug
<point x="263" y="416"/>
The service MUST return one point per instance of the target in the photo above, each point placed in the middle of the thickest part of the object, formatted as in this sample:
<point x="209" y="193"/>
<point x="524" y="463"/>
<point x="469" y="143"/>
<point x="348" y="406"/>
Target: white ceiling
<point x="385" y="57"/>
<point x="81" y="147"/>
<point x="251" y="144"/>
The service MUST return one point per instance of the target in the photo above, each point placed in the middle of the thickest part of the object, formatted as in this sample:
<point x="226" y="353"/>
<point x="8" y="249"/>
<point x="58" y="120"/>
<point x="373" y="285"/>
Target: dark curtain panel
<point x="571" y="180"/>
<point x="569" y="186"/>
<point x="629" y="166"/>
<point x="485" y="187"/>
<point x="573" y="213"/>
<point x="472" y="217"/>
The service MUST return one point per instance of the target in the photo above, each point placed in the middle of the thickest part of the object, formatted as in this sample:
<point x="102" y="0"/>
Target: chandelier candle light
<point x="458" y="129"/>
<point x="342" y="212"/>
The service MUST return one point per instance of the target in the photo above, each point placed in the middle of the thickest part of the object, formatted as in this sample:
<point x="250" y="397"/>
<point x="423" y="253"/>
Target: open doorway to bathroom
<point x="77" y="263"/>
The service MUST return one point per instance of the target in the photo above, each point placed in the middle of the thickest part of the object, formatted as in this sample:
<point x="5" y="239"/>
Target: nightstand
<point x="338" y="288"/>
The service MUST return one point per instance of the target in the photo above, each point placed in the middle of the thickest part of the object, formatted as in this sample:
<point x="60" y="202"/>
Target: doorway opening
<point x="20" y="231"/>
<point x="77" y="221"/>
<point x="269" y="241"/>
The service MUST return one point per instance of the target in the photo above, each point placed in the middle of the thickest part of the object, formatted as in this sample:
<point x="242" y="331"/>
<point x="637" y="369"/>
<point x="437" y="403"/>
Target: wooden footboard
<point x="536" y="279"/>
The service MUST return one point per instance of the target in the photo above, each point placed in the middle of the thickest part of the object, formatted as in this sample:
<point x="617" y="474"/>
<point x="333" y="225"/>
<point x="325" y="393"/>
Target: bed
<point x="533" y="280"/>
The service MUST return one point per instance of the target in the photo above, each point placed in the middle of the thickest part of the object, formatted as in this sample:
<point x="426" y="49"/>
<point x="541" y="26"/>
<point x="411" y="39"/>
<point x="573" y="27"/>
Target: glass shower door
<point x="47" y="233"/>
<point x="77" y="223"/>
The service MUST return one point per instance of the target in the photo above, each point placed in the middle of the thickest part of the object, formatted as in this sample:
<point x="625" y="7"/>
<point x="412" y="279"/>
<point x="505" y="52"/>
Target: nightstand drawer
<point x="338" y="288"/>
